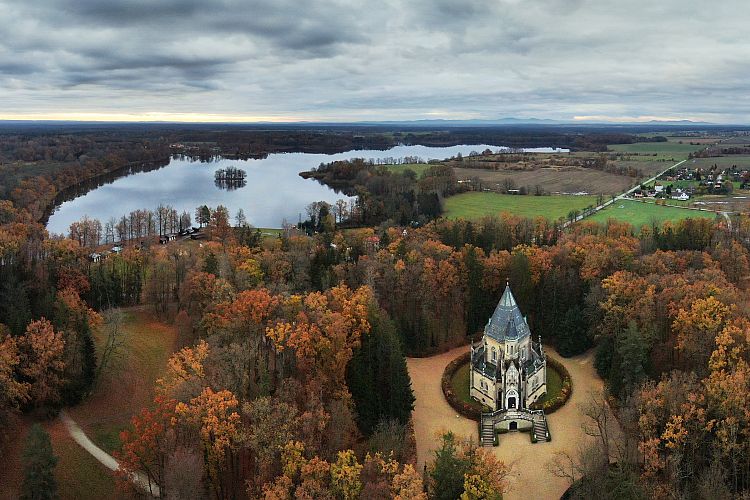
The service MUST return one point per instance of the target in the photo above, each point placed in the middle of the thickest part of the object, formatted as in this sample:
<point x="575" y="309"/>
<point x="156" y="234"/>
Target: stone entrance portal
<point x="513" y="426"/>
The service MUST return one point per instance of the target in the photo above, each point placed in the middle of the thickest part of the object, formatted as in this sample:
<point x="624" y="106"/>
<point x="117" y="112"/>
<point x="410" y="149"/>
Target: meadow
<point x="476" y="205"/>
<point x="641" y="213"/>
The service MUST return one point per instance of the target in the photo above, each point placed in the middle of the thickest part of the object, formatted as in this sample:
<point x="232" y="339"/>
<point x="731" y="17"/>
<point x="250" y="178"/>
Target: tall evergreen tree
<point x="572" y="337"/>
<point x="448" y="470"/>
<point x="39" y="467"/>
<point x="378" y="378"/>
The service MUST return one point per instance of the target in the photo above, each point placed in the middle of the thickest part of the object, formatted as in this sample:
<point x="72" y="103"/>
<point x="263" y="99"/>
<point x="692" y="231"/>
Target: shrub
<point x="552" y="405"/>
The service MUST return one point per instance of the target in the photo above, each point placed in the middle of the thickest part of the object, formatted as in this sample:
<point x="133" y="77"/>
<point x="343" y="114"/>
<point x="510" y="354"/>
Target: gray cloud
<point x="350" y="60"/>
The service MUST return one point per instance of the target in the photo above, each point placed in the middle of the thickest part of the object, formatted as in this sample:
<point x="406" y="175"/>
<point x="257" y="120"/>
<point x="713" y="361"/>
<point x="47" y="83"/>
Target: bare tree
<point x="601" y="421"/>
<point x="114" y="346"/>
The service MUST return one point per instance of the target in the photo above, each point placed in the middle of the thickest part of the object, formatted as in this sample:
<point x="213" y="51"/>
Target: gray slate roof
<point x="507" y="322"/>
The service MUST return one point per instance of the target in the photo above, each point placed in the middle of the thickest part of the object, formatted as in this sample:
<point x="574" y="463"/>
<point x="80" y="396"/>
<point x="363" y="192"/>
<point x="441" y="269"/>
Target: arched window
<point x="494" y="354"/>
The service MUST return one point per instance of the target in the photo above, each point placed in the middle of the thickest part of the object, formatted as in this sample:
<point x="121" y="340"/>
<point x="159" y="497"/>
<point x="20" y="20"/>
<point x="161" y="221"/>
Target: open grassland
<point x="128" y="385"/>
<point x="417" y="168"/>
<point x="641" y="213"/>
<point x="78" y="474"/>
<point x="552" y="179"/>
<point x="476" y="205"/>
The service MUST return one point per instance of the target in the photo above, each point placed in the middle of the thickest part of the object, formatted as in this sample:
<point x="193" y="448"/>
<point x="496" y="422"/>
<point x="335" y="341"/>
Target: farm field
<point x="647" y="165"/>
<point x="552" y="179"/>
<point x="721" y="161"/>
<point x="476" y="205"/>
<point x="660" y="149"/>
<point x="641" y="213"/>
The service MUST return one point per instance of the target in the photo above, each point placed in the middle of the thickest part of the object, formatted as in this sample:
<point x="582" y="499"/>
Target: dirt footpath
<point x="530" y="478"/>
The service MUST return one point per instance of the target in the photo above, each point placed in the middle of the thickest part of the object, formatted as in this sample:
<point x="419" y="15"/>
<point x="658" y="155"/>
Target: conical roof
<point x="507" y="322"/>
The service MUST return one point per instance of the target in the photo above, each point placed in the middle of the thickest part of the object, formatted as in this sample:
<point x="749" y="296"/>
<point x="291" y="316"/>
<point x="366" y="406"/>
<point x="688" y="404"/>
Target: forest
<point x="290" y="377"/>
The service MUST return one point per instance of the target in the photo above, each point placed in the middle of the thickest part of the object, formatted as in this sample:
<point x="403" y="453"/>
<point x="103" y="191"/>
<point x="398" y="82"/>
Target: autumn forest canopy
<point x="289" y="378"/>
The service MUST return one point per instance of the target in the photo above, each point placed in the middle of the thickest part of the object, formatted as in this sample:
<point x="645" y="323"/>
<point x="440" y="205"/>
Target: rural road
<point x="529" y="476"/>
<point x="80" y="437"/>
<point x="623" y="194"/>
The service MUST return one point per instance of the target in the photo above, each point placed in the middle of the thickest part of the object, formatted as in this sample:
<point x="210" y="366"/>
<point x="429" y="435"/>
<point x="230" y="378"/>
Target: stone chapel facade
<point x="508" y="369"/>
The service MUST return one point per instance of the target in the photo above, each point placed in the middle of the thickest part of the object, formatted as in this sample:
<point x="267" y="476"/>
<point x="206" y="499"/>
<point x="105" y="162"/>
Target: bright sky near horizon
<point x="353" y="60"/>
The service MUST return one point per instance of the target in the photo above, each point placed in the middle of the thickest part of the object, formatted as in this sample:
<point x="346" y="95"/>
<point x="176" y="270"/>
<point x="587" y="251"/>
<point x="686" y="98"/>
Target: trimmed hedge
<point x="552" y="405"/>
<point x="460" y="406"/>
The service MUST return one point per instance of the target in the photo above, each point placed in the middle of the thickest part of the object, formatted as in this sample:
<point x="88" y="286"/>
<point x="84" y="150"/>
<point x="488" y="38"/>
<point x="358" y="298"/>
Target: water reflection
<point x="272" y="190"/>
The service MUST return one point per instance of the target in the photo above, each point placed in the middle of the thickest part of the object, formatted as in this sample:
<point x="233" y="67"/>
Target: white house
<point x="682" y="195"/>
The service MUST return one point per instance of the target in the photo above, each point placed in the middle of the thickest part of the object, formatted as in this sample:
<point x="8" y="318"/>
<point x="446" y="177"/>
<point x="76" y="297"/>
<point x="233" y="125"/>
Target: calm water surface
<point x="274" y="190"/>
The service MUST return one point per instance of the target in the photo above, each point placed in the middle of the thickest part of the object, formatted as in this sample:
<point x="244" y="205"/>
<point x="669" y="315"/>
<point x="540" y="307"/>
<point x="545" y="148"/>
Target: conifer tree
<point x="378" y="378"/>
<point x="39" y="467"/>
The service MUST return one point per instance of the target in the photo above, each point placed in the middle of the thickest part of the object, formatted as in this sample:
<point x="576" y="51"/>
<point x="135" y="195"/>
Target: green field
<point x="417" y="168"/>
<point x="477" y="205"/>
<point x="640" y="213"/>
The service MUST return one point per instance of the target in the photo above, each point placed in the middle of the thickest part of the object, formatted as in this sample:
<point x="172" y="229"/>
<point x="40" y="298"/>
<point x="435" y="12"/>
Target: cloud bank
<point x="343" y="60"/>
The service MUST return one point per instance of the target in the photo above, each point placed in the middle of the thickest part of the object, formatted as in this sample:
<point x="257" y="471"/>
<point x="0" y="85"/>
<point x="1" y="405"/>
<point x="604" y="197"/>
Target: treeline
<point x="137" y="224"/>
<point x="35" y="168"/>
<point x="382" y="194"/>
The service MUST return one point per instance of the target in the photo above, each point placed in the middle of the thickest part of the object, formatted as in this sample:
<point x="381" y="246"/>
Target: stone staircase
<point x="540" y="427"/>
<point x="487" y="430"/>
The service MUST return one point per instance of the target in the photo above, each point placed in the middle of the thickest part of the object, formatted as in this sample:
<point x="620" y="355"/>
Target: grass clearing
<point x="476" y="205"/>
<point x="78" y="474"/>
<point x="641" y="214"/>
<point x="127" y="386"/>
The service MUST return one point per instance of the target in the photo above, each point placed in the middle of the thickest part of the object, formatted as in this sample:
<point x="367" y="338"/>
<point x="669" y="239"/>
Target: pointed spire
<point x="507" y="300"/>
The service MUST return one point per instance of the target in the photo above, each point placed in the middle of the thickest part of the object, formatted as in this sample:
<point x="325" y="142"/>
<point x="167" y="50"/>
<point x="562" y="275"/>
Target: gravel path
<point x="530" y="478"/>
<point x="106" y="459"/>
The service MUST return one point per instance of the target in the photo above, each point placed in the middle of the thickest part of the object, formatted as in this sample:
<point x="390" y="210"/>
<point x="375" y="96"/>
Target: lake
<point x="274" y="190"/>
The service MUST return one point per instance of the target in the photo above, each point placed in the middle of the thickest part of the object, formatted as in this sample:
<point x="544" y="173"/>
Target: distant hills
<point x="529" y="121"/>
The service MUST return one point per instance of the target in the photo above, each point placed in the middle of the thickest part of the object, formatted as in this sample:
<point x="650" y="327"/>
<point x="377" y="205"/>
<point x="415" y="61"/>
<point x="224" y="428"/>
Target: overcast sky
<point x="377" y="59"/>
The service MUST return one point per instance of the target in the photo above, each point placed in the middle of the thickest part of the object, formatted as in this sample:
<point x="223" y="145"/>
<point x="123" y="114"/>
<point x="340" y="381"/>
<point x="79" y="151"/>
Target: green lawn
<point x="460" y="383"/>
<point x="476" y="205"/>
<point x="640" y="213"/>
<point x="554" y="385"/>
